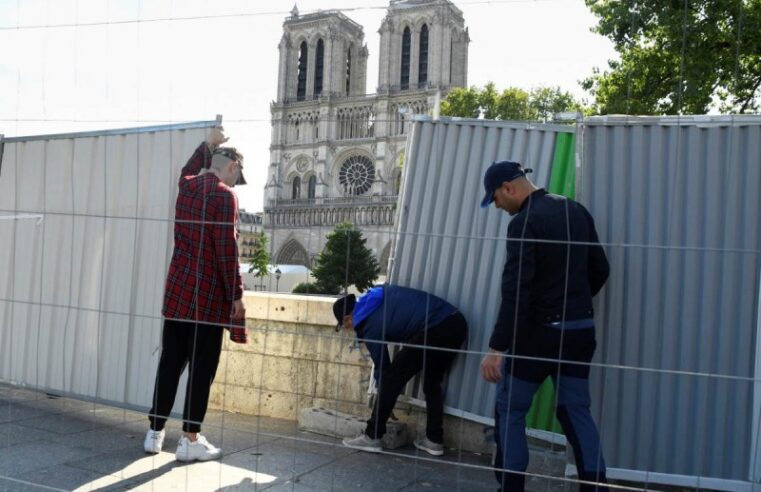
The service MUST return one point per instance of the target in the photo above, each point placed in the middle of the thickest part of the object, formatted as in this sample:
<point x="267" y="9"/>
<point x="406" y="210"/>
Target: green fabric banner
<point x="562" y="182"/>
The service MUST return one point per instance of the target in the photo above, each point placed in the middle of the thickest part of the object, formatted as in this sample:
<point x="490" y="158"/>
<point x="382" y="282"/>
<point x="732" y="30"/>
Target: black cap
<point x="231" y="153"/>
<point x="498" y="173"/>
<point x="344" y="306"/>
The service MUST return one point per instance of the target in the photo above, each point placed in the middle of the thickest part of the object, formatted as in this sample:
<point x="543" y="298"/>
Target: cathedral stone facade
<point x="337" y="152"/>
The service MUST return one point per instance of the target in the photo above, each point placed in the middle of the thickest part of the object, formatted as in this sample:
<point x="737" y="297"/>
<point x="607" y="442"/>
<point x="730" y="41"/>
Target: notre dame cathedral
<point x="337" y="151"/>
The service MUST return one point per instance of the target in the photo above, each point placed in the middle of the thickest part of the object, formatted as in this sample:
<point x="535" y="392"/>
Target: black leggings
<point x="186" y="343"/>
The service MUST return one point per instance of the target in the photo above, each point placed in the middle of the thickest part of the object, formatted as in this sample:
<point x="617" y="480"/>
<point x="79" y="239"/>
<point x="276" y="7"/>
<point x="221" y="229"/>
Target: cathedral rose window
<point x="356" y="175"/>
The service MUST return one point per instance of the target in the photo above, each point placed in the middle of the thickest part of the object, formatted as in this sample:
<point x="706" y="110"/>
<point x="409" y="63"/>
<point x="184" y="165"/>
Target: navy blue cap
<point x="343" y="306"/>
<point x="498" y="173"/>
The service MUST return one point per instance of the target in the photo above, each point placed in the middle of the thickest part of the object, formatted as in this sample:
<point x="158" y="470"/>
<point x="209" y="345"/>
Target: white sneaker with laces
<point x="200" y="450"/>
<point x="154" y="441"/>
<point x="364" y="443"/>
<point x="430" y="447"/>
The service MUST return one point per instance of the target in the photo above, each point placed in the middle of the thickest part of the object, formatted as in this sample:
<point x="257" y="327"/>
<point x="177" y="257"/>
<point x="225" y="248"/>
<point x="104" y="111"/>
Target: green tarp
<point x="562" y="182"/>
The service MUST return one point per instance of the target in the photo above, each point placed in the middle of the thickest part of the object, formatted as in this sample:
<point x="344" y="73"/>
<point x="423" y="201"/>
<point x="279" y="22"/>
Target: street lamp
<point x="277" y="279"/>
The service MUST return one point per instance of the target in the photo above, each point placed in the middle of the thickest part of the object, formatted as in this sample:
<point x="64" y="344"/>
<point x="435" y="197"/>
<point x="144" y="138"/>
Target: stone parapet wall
<point x="295" y="359"/>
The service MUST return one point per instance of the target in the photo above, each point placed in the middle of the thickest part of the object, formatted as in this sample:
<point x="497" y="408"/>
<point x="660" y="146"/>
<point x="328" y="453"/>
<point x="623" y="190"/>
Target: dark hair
<point x="229" y="152"/>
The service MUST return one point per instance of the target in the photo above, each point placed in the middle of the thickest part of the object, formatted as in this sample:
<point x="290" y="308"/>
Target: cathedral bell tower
<point x="423" y="45"/>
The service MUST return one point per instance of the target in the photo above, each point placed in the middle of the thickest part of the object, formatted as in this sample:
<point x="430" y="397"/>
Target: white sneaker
<point x="430" y="447"/>
<point x="154" y="441"/>
<point x="200" y="450"/>
<point x="364" y="443"/>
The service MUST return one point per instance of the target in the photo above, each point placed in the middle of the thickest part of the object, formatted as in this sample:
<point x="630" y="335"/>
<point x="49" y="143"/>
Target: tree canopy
<point x="512" y="103"/>
<point x="260" y="258"/>
<point x="346" y="260"/>
<point x="678" y="56"/>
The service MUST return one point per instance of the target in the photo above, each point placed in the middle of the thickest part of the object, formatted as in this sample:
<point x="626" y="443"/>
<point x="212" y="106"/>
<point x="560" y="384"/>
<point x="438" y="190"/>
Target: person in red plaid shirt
<point x="202" y="295"/>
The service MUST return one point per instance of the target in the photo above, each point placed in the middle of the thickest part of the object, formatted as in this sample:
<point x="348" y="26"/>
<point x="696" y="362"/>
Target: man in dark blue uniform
<point x="554" y="266"/>
<point x="424" y="323"/>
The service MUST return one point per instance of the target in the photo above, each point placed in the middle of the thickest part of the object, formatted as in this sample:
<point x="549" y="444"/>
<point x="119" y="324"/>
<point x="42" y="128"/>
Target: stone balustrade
<point x="360" y="210"/>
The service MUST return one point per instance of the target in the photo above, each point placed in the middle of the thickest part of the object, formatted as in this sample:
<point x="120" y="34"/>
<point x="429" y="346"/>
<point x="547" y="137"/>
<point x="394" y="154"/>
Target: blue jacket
<point x="390" y="313"/>
<point x="544" y="282"/>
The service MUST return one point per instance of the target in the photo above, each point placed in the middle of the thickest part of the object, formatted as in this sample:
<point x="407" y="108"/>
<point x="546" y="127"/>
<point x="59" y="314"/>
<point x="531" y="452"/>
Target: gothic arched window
<point x="423" y="58"/>
<point x="301" y="88"/>
<point x="312" y="186"/>
<point x="348" y="70"/>
<point x="451" y="58"/>
<point x="318" y="67"/>
<point x="406" y="43"/>
<point x="296" y="189"/>
<point x="356" y="175"/>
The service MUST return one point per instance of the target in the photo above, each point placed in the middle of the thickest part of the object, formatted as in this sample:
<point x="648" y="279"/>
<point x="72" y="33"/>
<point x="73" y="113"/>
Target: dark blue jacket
<point x="545" y="282"/>
<point x="402" y="314"/>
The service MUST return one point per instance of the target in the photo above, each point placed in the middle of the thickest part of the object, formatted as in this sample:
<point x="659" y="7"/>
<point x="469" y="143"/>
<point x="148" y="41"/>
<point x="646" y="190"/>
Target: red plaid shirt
<point x="204" y="275"/>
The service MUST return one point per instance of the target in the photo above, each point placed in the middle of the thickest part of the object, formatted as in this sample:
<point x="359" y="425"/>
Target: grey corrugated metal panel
<point x="501" y="124"/>
<point x="687" y="303"/>
<point x="447" y="244"/>
<point x="701" y="120"/>
<point x="96" y="263"/>
<point x="2" y="147"/>
<point x="117" y="131"/>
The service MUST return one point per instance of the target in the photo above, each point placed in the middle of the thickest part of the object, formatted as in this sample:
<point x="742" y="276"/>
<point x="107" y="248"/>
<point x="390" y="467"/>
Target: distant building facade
<point x="336" y="152"/>
<point x="249" y="225"/>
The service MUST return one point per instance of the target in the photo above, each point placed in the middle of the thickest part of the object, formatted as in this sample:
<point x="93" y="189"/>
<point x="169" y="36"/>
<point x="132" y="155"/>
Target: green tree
<point x="512" y="103"/>
<point x="345" y="261"/>
<point x="548" y="101"/>
<point x="260" y="258"/>
<point x="462" y="102"/>
<point x="488" y="100"/>
<point x="678" y="56"/>
<point x="308" y="288"/>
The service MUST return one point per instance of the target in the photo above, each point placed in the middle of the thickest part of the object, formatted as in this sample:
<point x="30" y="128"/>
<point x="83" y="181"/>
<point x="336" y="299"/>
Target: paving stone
<point x="70" y="446"/>
<point x="363" y="471"/>
<point x="332" y="423"/>
<point x="71" y="478"/>
<point x="15" y="485"/>
<point x="17" y="411"/>
<point x="12" y="434"/>
<point x="280" y="459"/>
<point x="18" y="460"/>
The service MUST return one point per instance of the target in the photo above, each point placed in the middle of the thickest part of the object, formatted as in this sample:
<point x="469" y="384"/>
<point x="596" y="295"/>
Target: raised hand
<point x="216" y="137"/>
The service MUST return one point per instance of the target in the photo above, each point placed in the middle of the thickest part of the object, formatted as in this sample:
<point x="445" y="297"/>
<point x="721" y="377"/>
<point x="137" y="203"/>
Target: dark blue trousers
<point x="515" y="393"/>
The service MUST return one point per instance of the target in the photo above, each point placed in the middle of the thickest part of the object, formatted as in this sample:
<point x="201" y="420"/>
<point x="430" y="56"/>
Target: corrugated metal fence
<point x="447" y="244"/>
<point x="85" y="240"/>
<point x="676" y="204"/>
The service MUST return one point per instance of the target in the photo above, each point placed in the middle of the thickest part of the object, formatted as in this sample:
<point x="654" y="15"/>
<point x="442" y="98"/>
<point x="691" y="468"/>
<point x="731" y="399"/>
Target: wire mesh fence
<point x="89" y="228"/>
<point x="75" y="331"/>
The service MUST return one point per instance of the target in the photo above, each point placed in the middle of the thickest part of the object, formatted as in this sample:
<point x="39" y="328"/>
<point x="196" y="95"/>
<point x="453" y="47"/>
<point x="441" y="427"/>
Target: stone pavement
<point x="52" y="443"/>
